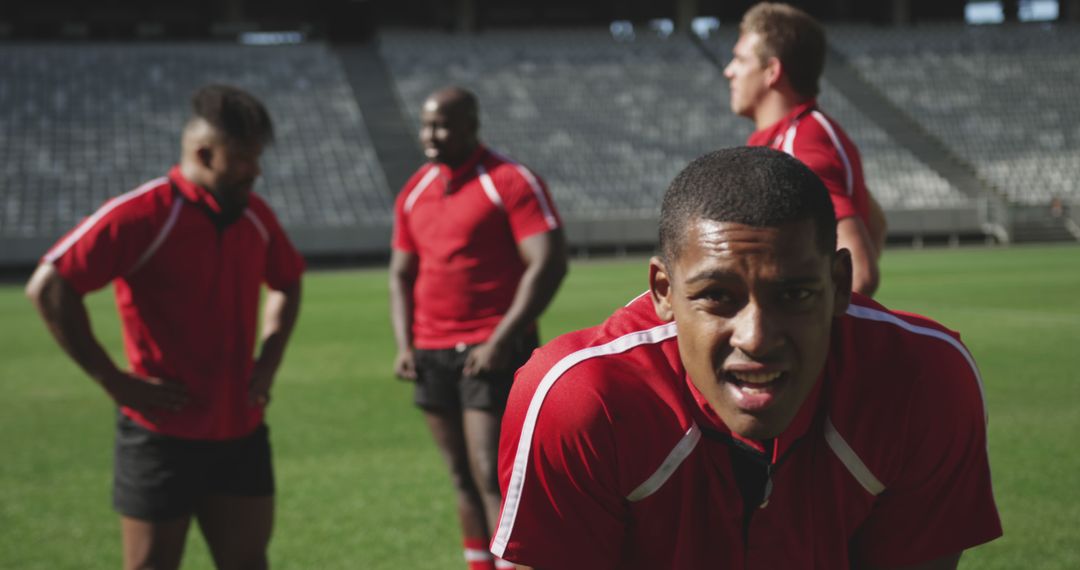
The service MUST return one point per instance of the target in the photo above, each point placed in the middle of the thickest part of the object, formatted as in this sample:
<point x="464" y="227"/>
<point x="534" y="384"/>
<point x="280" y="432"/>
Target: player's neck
<point x="776" y="105"/>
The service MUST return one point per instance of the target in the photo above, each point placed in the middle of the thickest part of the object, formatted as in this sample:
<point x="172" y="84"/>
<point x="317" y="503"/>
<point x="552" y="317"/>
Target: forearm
<point x="279" y="318"/>
<point x="534" y="293"/>
<point x="851" y="234"/>
<point x="401" y="309"/>
<point x="404" y="267"/>
<point x="878" y="227"/>
<point x="65" y="316"/>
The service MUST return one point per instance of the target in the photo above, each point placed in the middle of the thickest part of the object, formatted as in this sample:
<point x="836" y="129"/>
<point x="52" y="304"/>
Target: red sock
<point x="477" y="555"/>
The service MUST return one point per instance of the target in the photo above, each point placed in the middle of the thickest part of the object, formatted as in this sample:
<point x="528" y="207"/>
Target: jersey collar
<point x="711" y="424"/>
<point x="466" y="169"/>
<point x="204" y="199"/>
<point x="793" y="116"/>
<point x="193" y="192"/>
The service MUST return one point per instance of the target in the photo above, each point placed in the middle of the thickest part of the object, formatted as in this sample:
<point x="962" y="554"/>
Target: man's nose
<point x="753" y="331"/>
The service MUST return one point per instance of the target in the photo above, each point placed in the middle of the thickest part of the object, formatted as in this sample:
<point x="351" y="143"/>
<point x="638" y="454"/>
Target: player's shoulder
<point x="898" y="335"/>
<point x="144" y="203"/>
<point x="817" y="127"/>
<point x="507" y="171"/>
<point x="420" y="178"/>
<point x="896" y="379"/>
<point x="617" y="364"/>
<point x="260" y="207"/>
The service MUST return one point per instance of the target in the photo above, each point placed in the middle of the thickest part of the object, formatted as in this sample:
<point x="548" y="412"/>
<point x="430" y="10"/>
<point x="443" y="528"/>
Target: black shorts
<point x="157" y="478"/>
<point x="440" y="384"/>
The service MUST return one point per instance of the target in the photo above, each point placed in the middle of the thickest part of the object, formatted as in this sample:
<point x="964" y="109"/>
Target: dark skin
<point x="468" y="439"/>
<point x="755" y="308"/>
<point x="237" y="529"/>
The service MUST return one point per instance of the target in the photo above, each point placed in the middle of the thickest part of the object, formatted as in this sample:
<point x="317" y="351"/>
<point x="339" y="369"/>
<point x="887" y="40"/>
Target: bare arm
<point x="64" y="313"/>
<point x="877" y="226"/>
<point x="852" y="235"/>
<point x="403" y="267"/>
<point x="545" y="266"/>
<point x="279" y="317"/>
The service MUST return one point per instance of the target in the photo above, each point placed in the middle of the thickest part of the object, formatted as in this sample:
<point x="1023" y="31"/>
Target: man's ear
<point x="774" y="71"/>
<point x="841" y="275"/>
<point x="660" y="289"/>
<point x="205" y="155"/>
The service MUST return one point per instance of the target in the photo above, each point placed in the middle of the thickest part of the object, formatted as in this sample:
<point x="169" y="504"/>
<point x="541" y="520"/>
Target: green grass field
<point x="361" y="486"/>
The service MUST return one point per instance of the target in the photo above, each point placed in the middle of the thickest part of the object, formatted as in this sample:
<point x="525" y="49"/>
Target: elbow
<point x="44" y="277"/>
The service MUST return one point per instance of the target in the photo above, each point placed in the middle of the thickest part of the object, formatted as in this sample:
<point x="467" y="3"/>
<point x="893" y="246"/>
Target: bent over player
<point x="187" y="254"/>
<point x="774" y="75"/>
<point x="477" y="255"/>
<point x="748" y="411"/>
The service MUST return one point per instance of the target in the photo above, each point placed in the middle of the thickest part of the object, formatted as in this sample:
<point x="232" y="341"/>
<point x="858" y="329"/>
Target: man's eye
<point x="719" y="297"/>
<point x="796" y="295"/>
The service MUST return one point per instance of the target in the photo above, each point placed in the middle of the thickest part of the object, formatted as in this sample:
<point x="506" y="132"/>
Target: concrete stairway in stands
<point x="395" y="142"/>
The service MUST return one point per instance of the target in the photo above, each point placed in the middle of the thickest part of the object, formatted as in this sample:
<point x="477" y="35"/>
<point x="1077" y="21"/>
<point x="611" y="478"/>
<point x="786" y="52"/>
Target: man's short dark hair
<point x="233" y="112"/>
<point x="792" y="36"/>
<point x="755" y="186"/>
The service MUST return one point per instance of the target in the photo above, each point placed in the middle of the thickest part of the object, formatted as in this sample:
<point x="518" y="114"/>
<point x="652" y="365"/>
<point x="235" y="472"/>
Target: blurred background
<point x="965" y="112"/>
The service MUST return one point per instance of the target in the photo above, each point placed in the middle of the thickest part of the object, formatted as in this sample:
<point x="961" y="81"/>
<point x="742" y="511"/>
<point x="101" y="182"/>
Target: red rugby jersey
<point x="812" y="137"/>
<point x="610" y="458"/>
<point x="464" y="226"/>
<point x="187" y="292"/>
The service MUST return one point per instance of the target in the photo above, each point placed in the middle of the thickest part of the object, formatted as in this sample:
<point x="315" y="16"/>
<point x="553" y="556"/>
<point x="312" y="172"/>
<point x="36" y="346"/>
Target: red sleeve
<point x="561" y="506"/>
<point x="528" y="203"/>
<point x="942" y="501"/>
<point x="816" y="150"/>
<point x="107" y="244"/>
<point x="284" y="265"/>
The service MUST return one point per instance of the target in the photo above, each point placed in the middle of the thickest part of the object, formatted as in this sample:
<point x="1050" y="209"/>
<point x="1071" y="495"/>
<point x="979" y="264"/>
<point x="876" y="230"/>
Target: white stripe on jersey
<point x="489" y="187"/>
<point x="258" y="225"/>
<point x="538" y="191"/>
<point x="789" y="139"/>
<point x="420" y="187"/>
<point x="512" y="500"/>
<point x="884" y="317"/>
<point x="89" y="223"/>
<point x="174" y="213"/>
<point x="849" y="176"/>
<point x="678" y="454"/>
<point x="851" y="460"/>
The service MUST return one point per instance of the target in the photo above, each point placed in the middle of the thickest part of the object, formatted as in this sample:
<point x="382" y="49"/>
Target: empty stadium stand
<point x="964" y="131"/>
<point x="82" y="122"/>
<point x="607" y="123"/>
<point x="1003" y="98"/>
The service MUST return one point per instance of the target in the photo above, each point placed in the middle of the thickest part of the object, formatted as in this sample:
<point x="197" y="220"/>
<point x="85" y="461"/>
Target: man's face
<point x="447" y="132"/>
<point x="747" y="76"/>
<point x="754" y="309"/>
<point x="231" y="170"/>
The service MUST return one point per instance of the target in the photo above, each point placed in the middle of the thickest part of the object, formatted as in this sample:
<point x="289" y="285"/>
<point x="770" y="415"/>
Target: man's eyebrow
<point x="711" y="275"/>
<point x="721" y="275"/>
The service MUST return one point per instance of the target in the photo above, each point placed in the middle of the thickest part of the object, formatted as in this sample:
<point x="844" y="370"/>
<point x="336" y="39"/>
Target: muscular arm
<point x="279" y="317"/>
<point x="403" y="267"/>
<point x="877" y="226"/>
<point x="545" y="266"/>
<point x="852" y="234"/>
<point x="64" y="313"/>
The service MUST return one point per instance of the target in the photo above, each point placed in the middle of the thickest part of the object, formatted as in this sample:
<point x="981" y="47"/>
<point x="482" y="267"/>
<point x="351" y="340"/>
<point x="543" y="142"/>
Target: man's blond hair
<point x="791" y="36"/>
